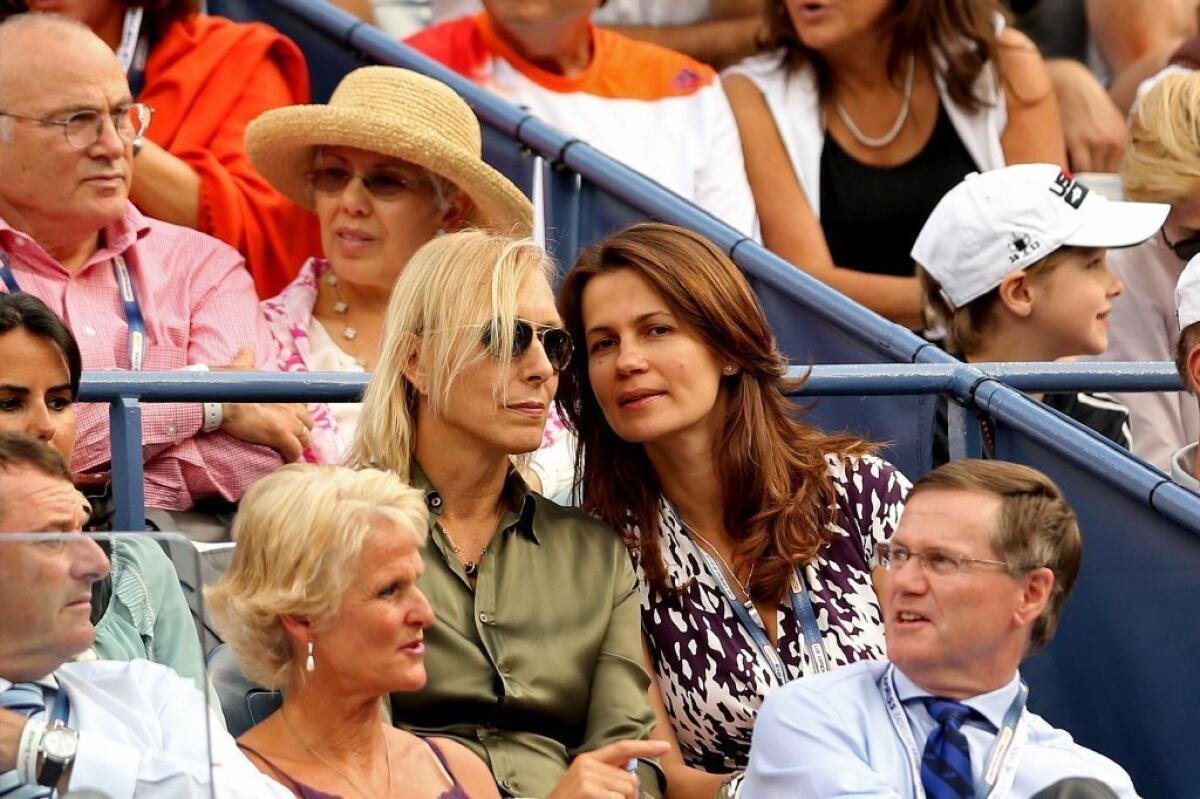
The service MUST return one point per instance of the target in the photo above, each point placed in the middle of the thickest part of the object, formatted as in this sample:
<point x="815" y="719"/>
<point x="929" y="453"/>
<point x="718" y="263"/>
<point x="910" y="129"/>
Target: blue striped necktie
<point x="946" y="763"/>
<point x="28" y="699"/>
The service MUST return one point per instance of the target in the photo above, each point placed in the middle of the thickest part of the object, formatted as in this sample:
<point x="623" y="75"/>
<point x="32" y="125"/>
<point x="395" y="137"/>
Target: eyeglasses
<point x="84" y="128"/>
<point x="1185" y="249"/>
<point x="555" y="341"/>
<point x="380" y="184"/>
<point x="934" y="561"/>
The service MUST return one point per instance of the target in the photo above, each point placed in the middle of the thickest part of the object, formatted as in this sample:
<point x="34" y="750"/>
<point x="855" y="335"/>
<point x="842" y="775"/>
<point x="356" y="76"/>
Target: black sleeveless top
<point x="872" y="215"/>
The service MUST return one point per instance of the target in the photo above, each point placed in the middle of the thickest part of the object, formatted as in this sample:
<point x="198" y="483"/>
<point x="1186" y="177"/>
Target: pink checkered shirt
<point x="199" y="305"/>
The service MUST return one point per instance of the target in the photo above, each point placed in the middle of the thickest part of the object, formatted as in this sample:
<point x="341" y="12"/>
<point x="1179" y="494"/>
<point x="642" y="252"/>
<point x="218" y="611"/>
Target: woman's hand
<point x="601" y="774"/>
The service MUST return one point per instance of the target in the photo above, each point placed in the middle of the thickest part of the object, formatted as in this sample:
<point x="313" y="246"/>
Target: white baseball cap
<point x="997" y="222"/>
<point x="1187" y="294"/>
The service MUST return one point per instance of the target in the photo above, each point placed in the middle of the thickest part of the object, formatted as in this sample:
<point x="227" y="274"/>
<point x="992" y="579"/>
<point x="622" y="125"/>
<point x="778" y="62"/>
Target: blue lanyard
<point x="62" y="707"/>
<point x="801" y="606"/>
<point x="129" y="302"/>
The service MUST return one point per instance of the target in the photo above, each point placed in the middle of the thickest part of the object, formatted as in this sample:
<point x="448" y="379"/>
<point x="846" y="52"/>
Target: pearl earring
<point x="728" y="369"/>
<point x="309" y="662"/>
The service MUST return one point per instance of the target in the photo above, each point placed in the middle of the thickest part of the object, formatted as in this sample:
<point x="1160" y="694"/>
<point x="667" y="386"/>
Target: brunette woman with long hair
<point x="747" y="526"/>
<point x="872" y="110"/>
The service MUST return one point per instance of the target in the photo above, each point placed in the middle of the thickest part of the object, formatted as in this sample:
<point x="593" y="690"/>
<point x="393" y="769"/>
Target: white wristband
<point x="28" y="751"/>
<point x="214" y="414"/>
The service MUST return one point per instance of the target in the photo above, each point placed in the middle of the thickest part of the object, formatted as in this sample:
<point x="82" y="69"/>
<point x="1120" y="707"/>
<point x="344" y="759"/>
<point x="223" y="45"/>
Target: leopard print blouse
<point x="712" y="676"/>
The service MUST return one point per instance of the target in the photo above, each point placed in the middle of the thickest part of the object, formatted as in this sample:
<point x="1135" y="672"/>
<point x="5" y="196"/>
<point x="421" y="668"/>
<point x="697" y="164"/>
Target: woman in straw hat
<point x="393" y="160"/>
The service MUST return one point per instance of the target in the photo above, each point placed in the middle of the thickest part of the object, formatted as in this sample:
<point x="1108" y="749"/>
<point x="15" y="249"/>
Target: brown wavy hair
<point x="778" y="498"/>
<point x="963" y="31"/>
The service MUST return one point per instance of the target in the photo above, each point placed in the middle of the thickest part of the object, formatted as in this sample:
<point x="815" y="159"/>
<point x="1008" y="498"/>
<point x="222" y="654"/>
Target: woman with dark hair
<point x="191" y="169"/>
<point x="138" y="609"/>
<point x="872" y="110"/>
<point x="751" y="532"/>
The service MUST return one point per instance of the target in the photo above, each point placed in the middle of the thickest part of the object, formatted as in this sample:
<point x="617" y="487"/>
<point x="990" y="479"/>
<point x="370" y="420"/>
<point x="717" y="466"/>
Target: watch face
<point x="60" y="744"/>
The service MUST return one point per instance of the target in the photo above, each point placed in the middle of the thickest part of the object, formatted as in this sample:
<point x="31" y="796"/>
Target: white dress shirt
<point x="142" y="733"/>
<point x="830" y="735"/>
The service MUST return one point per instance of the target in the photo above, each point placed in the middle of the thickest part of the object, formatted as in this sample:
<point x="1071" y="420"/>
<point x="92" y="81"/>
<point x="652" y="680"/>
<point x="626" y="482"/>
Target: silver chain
<point x="387" y="754"/>
<point x="890" y="136"/>
<point x="744" y="586"/>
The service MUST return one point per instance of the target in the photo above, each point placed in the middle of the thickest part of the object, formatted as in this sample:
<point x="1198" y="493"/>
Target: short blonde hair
<point x="1162" y="153"/>
<point x="453" y="289"/>
<point x="967" y="327"/>
<point x="300" y="533"/>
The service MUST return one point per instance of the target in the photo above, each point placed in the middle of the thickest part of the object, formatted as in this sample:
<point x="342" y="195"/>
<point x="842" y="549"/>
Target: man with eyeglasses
<point x="974" y="579"/>
<point x="139" y="294"/>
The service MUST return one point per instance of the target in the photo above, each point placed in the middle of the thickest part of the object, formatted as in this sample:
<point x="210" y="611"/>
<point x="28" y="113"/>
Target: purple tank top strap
<point x="456" y="790"/>
<point x="299" y="788"/>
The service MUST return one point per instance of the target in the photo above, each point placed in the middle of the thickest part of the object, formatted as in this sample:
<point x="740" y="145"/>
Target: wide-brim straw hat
<point x="393" y="112"/>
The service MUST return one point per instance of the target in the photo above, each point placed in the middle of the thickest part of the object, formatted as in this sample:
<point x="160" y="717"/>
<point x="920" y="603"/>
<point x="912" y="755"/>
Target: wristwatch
<point x="59" y="743"/>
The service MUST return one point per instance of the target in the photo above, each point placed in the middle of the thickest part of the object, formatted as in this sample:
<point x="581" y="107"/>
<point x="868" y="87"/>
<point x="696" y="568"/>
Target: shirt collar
<point x="115" y="238"/>
<point x="46" y="682"/>
<point x="518" y="496"/>
<point x="1183" y="464"/>
<point x="993" y="705"/>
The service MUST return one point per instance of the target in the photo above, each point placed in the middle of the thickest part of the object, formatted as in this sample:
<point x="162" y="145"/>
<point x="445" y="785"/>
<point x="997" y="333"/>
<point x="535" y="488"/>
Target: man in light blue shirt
<point x="974" y="579"/>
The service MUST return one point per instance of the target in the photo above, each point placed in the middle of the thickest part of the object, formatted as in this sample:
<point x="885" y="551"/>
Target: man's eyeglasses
<point x="1185" y="249"/>
<point x="555" y="341"/>
<point x="84" y="128"/>
<point x="382" y="185"/>
<point x="934" y="561"/>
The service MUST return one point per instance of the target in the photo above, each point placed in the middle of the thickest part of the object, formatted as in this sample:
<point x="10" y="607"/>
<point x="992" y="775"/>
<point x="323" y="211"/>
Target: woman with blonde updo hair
<point x="536" y="655"/>
<point x="1161" y="164"/>
<point x="321" y="602"/>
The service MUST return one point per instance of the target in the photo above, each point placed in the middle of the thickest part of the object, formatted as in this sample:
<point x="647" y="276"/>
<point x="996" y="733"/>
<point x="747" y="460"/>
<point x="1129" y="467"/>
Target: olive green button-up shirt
<point x="542" y="660"/>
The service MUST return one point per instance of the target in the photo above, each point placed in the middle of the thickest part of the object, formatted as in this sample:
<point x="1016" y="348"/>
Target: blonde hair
<point x="967" y="327"/>
<point x="300" y="533"/>
<point x="453" y="289"/>
<point x="1162" y="153"/>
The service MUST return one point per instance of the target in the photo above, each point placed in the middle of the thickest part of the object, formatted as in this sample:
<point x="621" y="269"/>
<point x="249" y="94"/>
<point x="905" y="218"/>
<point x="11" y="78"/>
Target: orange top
<point x="621" y="67"/>
<point x="207" y="78"/>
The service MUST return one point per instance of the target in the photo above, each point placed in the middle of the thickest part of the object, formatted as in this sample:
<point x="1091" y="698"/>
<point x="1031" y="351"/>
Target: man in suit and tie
<point x="974" y="579"/>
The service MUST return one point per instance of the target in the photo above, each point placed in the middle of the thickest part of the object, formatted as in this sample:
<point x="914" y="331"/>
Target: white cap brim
<point x="1114" y="224"/>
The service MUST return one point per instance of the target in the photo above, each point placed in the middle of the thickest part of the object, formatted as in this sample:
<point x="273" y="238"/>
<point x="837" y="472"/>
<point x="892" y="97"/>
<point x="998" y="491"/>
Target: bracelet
<point x="28" y="751"/>
<point x="214" y="414"/>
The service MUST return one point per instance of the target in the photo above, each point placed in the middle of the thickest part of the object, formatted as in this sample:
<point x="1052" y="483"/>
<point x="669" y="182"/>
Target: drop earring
<point x="310" y="663"/>
<point x="728" y="370"/>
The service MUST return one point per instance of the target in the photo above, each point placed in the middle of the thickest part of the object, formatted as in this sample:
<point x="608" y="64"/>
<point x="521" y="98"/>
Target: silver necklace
<point x="340" y="307"/>
<point x="386" y="749"/>
<point x="709" y="544"/>
<point x="890" y="136"/>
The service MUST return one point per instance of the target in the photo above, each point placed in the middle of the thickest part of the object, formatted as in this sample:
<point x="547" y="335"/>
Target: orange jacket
<point x="207" y="78"/>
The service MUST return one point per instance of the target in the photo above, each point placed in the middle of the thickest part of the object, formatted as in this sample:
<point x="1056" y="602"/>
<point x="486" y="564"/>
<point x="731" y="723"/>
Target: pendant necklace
<point x="340" y="307"/>
<point x="386" y="749"/>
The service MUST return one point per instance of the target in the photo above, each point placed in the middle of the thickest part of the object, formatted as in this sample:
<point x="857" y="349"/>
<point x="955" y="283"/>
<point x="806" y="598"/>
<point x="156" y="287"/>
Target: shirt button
<point x="91" y="331"/>
<point x="435" y="501"/>
<point x="171" y="430"/>
<point x="486" y="618"/>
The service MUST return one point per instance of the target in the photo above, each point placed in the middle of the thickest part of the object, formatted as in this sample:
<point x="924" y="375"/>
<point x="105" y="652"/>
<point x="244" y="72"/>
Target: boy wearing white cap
<point x="1013" y="264"/>
<point x="1187" y="361"/>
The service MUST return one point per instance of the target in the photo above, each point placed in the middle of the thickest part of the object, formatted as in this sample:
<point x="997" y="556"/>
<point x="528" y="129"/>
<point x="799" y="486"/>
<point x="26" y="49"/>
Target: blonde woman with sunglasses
<point x="535" y="655"/>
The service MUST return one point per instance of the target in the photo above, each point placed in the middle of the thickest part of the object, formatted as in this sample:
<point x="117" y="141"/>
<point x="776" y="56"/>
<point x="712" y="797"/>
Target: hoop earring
<point x="309" y="663"/>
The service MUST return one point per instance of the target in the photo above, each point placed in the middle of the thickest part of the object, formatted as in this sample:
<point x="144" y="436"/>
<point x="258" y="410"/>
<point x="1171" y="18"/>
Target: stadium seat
<point x="243" y="703"/>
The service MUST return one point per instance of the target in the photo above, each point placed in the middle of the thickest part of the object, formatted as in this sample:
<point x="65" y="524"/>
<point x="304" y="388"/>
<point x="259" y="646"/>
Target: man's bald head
<point x="27" y="39"/>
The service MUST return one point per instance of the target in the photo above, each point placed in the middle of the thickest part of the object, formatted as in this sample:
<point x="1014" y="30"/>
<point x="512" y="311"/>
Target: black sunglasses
<point x="555" y="341"/>
<point x="1184" y="249"/>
